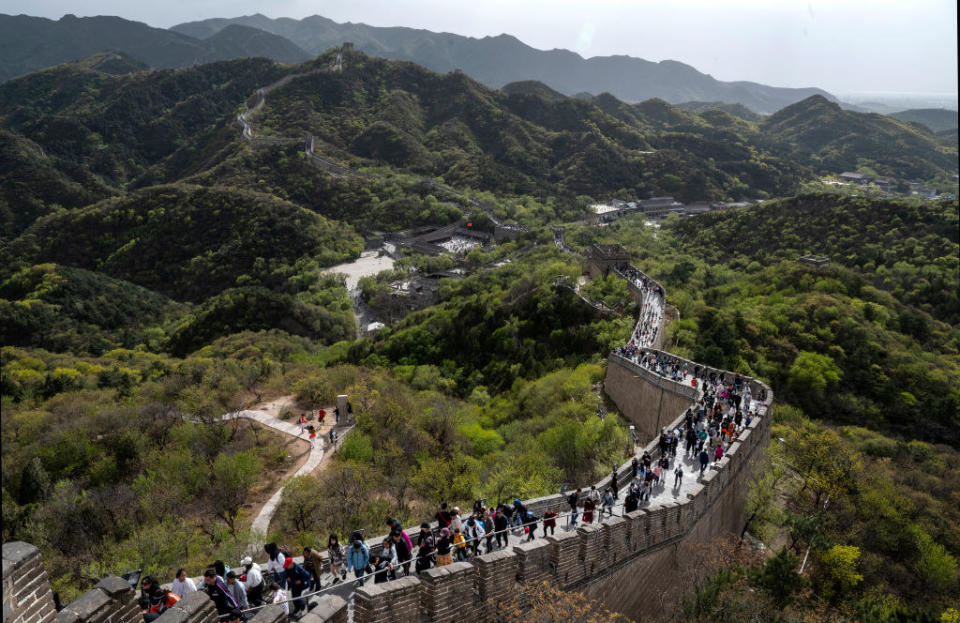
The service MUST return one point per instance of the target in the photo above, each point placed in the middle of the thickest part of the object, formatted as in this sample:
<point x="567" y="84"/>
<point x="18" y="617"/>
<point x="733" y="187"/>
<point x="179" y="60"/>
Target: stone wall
<point x="27" y="597"/>
<point x="646" y="400"/>
<point x="112" y="600"/>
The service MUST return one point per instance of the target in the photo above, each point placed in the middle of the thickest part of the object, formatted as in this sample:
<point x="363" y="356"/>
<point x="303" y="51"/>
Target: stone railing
<point x="575" y="559"/>
<point x="28" y="598"/>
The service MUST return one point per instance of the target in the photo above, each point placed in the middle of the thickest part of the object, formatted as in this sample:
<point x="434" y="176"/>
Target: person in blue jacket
<point x="299" y="580"/>
<point x="358" y="557"/>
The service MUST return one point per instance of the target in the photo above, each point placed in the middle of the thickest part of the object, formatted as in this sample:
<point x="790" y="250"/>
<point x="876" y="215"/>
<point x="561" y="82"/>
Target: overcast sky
<point x="843" y="46"/>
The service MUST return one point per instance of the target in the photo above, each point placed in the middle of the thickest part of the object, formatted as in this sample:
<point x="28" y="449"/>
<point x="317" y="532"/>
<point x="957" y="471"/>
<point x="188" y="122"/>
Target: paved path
<point x="261" y="523"/>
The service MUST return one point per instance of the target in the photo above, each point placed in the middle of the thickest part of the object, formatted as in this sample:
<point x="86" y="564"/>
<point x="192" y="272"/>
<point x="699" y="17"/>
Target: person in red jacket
<point x="154" y="600"/>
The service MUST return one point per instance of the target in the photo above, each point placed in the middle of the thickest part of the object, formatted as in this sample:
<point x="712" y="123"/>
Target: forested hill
<point x="910" y="250"/>
<point x="72" y="135"/>
<point x="937" y="119"/>
<point x="821" y="135"/>
<point x="33" y="43"/>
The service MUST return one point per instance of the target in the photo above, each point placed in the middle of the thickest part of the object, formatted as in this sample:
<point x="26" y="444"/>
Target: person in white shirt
<point x="253" y="582"/>
<point x="275" y="563"/>
<point x="182" y="585"/>
<point x="280" y="598"/>
<point x="456" y="523"/>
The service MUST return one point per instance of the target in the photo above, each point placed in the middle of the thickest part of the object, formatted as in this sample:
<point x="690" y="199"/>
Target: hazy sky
<point x="840" y="45"/>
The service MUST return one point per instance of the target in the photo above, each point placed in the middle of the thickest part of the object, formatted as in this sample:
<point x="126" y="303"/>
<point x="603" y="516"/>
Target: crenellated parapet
<point x="623" y="561"/>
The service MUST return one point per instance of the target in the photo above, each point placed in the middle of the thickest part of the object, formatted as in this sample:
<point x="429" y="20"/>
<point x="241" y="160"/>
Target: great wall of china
<point x="625" y="562"/>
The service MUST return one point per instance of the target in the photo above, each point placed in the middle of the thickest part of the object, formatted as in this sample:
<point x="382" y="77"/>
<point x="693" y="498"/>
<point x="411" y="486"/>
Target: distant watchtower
<point x="605" y="257"/>
<point x="347" y="45"/>
<point x="818" y="262"/>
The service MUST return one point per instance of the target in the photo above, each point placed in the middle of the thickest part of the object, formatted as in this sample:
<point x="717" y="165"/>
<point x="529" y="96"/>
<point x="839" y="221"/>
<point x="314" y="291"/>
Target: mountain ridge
<point x="497" y="60"/>
<point x="30" y="43"/>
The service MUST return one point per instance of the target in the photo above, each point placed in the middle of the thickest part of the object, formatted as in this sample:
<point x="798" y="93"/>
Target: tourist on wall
<point x="182" y="585"/>
<point x="227" y="607"/>
<point x="237" y="589"/>
<point x="573" y="500"/>
<point x="501" y="524"/>
<point x="154" y="600"/>
<point x="252" y="581"/>
<point x="313" y="563"/>
<point x="444" y="548"/>
<point x="338" y="569"/>
<point x="403" y="550"/>
<point x="299" y="580"/>
<point x="275" y="560"/>
<point x="358" y="557"/>
<point x="426" y="548"/>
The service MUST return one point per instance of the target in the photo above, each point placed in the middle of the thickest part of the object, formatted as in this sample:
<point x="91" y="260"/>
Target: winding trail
<point x="261" y="524"/>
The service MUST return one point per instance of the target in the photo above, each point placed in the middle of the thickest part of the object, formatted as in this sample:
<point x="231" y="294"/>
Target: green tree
<point x="779" y="577"/>
<point x="232" y="476"/>
<point x="935" y="566"/>
<point x="837" y="574"/>
<point x="811" y="375"/>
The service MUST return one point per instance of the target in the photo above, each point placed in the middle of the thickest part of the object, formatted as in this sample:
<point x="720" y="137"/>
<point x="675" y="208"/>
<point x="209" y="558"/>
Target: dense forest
<point x="160" y="272"/>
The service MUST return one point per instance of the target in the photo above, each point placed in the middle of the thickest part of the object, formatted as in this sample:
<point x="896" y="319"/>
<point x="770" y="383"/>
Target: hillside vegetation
<point x="188" y="242"/>
<point x="161" y="271"/>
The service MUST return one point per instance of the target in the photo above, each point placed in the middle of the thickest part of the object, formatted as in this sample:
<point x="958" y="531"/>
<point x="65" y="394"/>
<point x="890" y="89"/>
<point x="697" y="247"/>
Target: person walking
<point x="358" y="557"/>
<point x="252" y="579"/>
<point x="237" y="590"/>
<point x="444" y="547"/>
<point x="223" y="600"/>
<point x="677" y="475"/>
<point x="426" y="548"/>
<point x="549" y="521"/>
<point x="154" y="599"/>
<point x="303" y="422"/>
<point x="275" y="563"/>
<point x="335" y="553"/>
<point x="501" y="524"/>
<point x="704" y="460"/>
<point x="312" y="436"/>
<point x="299" y="580"/>
<point x="313" y="563"/>
<point x="607" y="503"/>
<point x="403" y="552"/>
<point x="573" y="500"/>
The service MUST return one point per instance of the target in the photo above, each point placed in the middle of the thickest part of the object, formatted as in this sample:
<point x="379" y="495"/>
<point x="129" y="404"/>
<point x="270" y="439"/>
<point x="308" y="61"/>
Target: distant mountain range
<point x="937" y="119"/>
<point x="496" y="61"/>
<point x="31" y="43"/>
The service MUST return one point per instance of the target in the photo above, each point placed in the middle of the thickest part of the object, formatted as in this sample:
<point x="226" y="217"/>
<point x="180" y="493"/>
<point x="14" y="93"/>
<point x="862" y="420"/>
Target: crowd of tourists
<point x="725" y="406"/>
<point x="651" y="309"/>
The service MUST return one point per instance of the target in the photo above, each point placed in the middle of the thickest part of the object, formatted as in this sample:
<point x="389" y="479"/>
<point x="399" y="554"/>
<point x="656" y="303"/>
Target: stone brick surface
<point x="615" y="533"/>
<point x="565" y="557"/>
<point x="447" y="593"/>
<point x="397" y="602"/>
<point x="331" y="609"/>
<point x="27" y="597"/>
<point x="495" y="581"/>
<point x="270" y="614"/>
<point x="591" y="548"/>
<point x="533" y="561"/>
